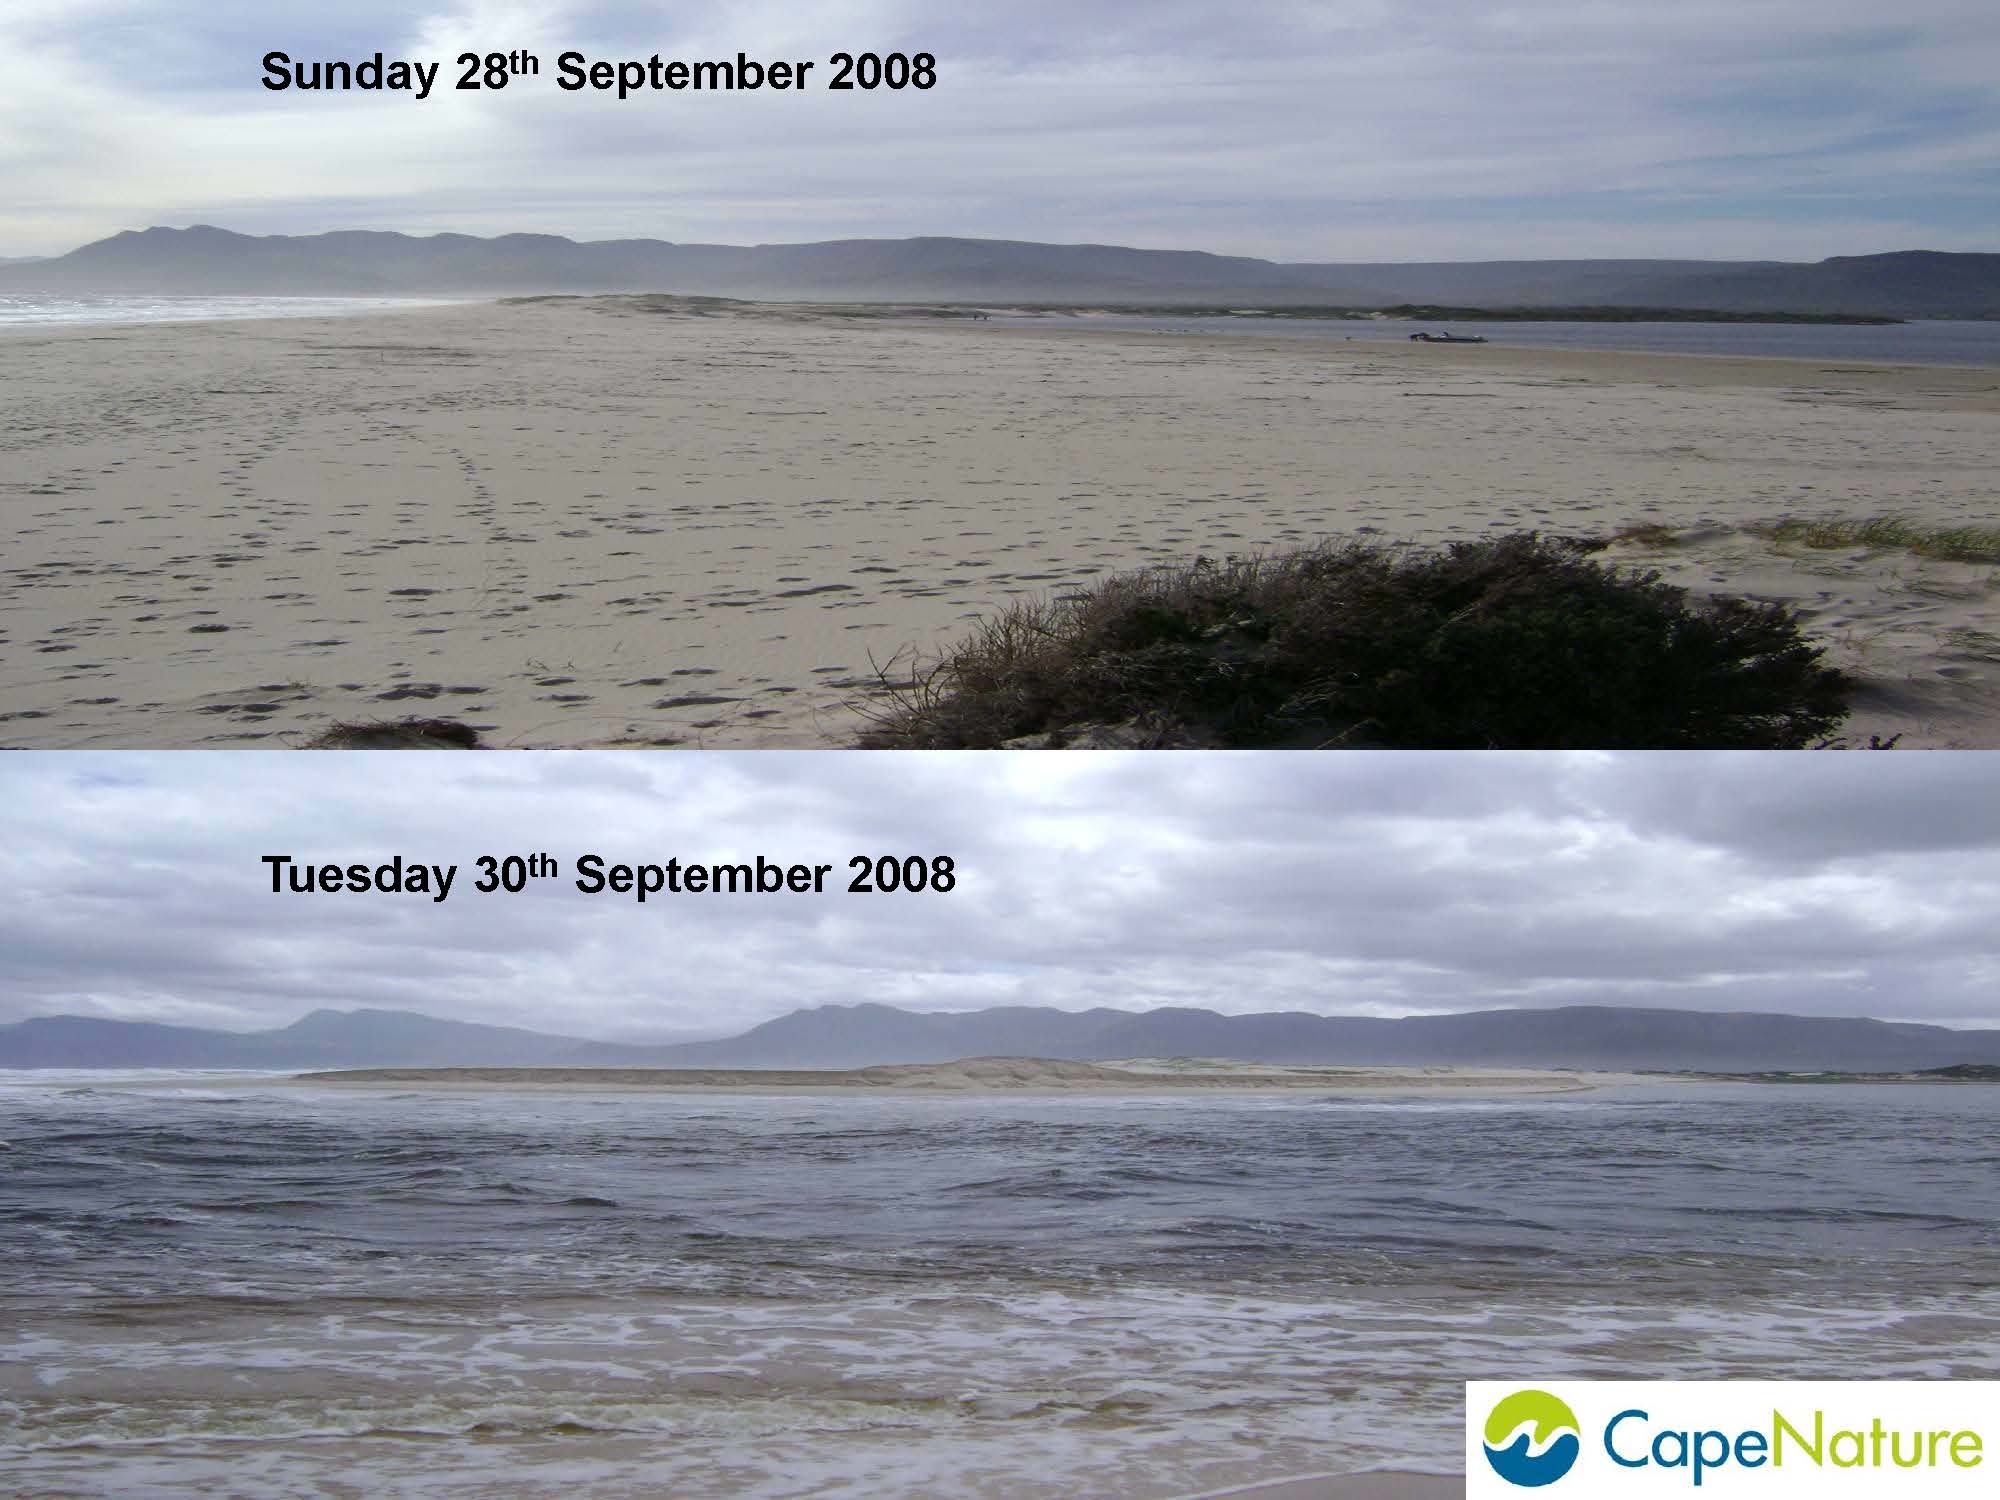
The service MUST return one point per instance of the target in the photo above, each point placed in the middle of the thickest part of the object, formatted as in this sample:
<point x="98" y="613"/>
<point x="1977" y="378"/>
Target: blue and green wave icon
<point x="1532" y="1439"/>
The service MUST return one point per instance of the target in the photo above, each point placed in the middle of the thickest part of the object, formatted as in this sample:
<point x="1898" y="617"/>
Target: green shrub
<point x="1517" y="642"/>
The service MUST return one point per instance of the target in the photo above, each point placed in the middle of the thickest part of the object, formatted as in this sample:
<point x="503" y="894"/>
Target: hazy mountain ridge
<point x="843" y="1036"/>
<point x="324" y="1038"/>
<point x="1906" y="283"/>
<point x="1571" y="1036"/>
<point x="206" y="261"/>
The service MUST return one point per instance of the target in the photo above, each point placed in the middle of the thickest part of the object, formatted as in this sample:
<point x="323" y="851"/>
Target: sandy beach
<point x="616" y="521"/>
<point x="991" y="1075"/>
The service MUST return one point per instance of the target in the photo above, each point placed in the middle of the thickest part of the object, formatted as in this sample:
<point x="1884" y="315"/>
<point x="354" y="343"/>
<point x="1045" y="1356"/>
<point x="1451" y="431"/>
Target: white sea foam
<point x="44" y="311"/>
<point x="1138" y="1391"/>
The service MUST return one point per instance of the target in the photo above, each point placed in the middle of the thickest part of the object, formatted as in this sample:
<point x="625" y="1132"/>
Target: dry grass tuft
<point x="1975" y="544"/>
<point x="397" y="734"/>
<point x="1644" y="534"/>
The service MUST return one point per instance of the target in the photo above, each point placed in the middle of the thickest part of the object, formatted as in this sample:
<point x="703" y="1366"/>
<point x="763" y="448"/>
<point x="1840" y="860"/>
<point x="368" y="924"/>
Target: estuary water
<point x="1924" y="342"/>
<point x="231" y="1285"/>
<point x="1921" y="342"/>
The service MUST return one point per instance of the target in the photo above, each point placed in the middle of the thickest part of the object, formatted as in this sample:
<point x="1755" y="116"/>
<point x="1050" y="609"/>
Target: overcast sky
<point x="1296" y="129"/>
<point x="131" y="885"/>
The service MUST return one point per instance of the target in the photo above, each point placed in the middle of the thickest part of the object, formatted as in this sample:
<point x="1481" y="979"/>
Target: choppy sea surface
<point x="228" y="1286"/>
<point x="1925" y="342"/>
<point x="44" y="311"/>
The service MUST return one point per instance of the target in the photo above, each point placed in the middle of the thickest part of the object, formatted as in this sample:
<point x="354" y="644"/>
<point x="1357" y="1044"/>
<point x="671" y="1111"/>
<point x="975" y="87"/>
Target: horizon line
<point x="1086" y="244"/>
<point x="382" y="1010"/>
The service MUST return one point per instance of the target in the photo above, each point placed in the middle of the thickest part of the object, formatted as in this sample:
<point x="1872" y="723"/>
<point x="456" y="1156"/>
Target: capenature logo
<point x="1532" y="1438"/>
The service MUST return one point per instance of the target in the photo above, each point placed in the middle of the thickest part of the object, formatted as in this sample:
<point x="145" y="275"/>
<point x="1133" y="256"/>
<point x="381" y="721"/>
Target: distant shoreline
<point x="1956" y="1073"/>
<point x="1289" y="326"/>
<point x="992" y="1076"/>
<point x="978" y="1076"/>
<point x="1405" y="312"/>
<point x="996" y="1075"/>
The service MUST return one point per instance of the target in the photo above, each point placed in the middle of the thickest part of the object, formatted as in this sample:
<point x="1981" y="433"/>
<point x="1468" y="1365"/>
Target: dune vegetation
<point x="1521" y="641"/>
<point x="1973" y="544"/>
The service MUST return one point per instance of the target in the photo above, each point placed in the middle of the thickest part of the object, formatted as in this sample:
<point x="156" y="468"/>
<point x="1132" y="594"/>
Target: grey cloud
<point x="1341" y="883"/>
<point x="1765" y="809"/>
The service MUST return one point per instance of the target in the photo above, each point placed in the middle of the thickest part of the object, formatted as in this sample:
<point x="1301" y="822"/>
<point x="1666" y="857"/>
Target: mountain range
<point x="843" y="1036"/>
<point x="206" y="261"/>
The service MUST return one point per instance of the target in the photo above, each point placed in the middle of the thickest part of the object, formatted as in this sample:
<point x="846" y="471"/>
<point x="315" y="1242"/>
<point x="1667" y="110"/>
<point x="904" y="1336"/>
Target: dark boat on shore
<point x="1447" y="338"/>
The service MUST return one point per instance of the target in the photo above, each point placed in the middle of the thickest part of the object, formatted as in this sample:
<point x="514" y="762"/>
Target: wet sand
<point x="1347" y="1487"/>
<point x="615" y="521"/>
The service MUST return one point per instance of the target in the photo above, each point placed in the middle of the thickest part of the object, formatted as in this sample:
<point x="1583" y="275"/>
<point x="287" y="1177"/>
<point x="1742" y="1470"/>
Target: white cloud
<point x="1460" y="130"/>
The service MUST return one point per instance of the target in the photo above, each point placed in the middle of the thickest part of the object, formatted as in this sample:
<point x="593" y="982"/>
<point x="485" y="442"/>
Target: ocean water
<point x="234" y="1287"/>
<point x="1928" y="342"/>
<point x="46" y="311"/>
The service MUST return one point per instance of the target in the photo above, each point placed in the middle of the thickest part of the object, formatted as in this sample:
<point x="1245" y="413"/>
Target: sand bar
<point x="991" y="1075"/>
<point x="618" y="521"/>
